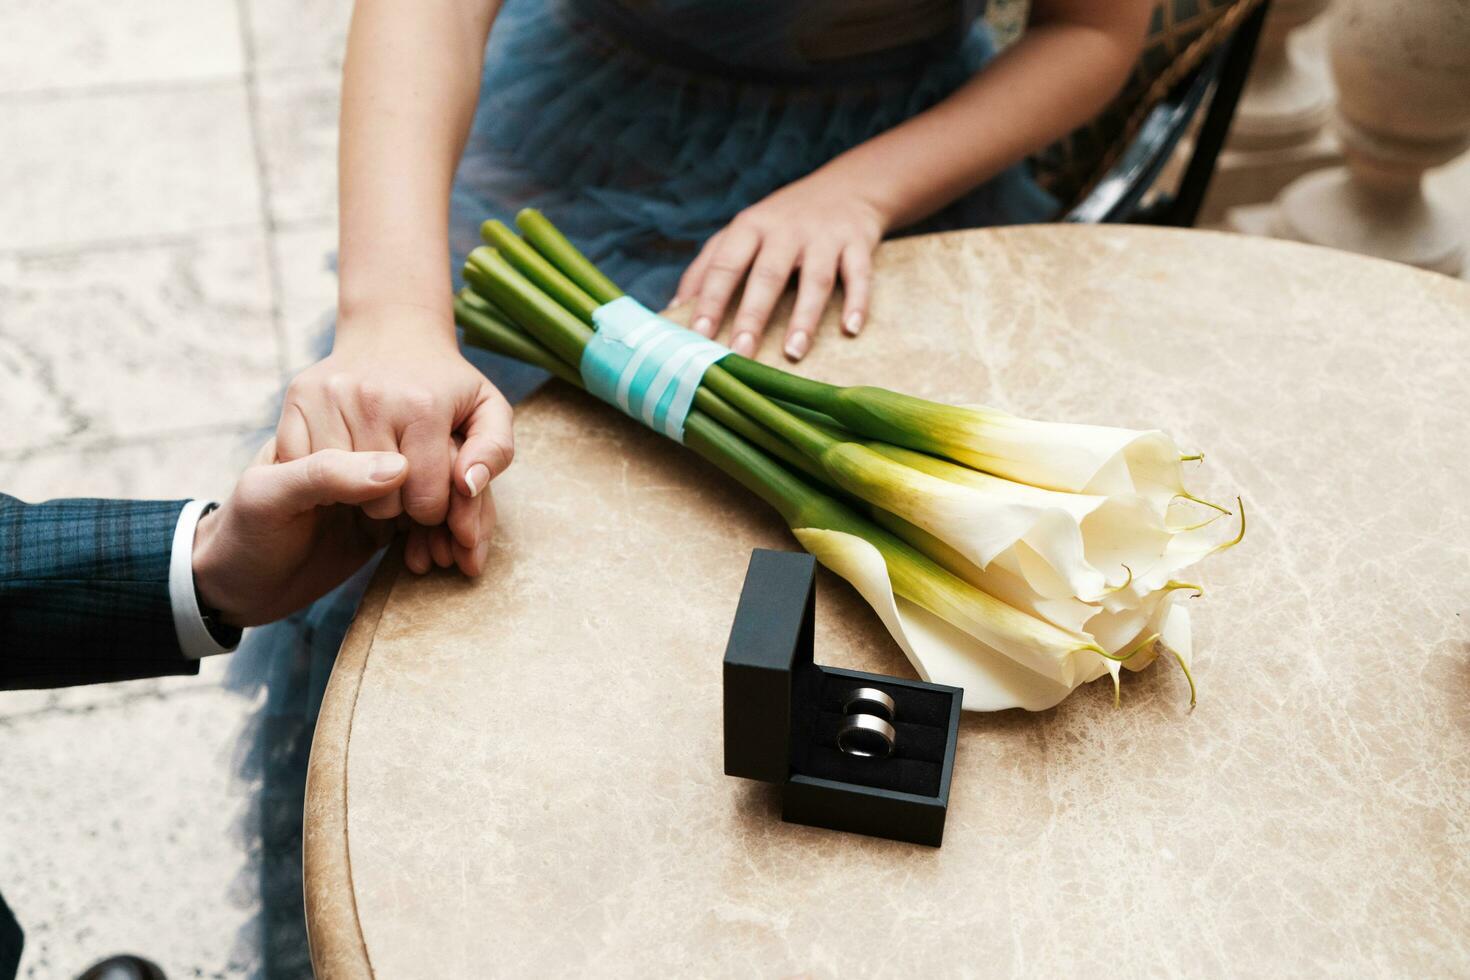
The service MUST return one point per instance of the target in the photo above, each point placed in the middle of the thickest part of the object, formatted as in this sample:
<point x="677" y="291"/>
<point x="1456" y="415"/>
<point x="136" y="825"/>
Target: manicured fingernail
<point x="476" y="478"/>
<point x="482" y="554"/>
<point x="853" y="324"/>
<point x="704" y="325"/>
<point x="797" y="345"/>
<point x="386" y="467"/>
<point x="743" y="344"/>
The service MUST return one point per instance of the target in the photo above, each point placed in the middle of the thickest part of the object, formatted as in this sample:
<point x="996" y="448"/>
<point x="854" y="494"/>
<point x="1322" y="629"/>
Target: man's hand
<point x="390" y="387"/>
<point x="291" y="532"/>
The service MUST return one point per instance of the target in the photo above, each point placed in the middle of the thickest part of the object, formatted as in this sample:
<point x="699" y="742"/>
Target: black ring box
<point x="782" y="711"/>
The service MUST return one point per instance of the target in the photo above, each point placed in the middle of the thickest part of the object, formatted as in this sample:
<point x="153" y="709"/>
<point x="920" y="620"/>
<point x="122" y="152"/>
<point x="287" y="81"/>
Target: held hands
<point x="823" y="227"/>
<point x="396" y="386"/>
<point x="290" y="533"/>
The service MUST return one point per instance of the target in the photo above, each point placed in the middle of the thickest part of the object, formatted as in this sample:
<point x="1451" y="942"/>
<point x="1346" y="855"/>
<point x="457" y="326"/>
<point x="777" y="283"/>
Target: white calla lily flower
<point x="1072" y="457"/>
<point x="1064" y="544"/>
<point x="980" y="517"/>
<point x="1184" y="549"/>
<point x="1066" y="456"/>
<point x="1031" y="666"/>
<point x="1116" y="625"/>
<point x="1002" y="578"/>
<point x="958" y="635"/>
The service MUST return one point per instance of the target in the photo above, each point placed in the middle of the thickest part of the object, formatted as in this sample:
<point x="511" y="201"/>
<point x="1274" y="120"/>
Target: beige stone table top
<point x="521" y="775"/>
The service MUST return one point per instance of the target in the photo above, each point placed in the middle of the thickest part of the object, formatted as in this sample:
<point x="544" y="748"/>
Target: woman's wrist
<point x="396" y="322"/>
<point x="854" y="178"/>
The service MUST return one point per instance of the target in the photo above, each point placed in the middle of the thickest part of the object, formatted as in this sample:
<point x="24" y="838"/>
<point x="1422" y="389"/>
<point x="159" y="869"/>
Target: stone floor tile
<point x="130" y="342"/>
<point x="18" y="706"/>
<point x="60" y="44"/>
<point x="297" y="117"/>
<point x="125" y="829"/>
<point x="298" y="33"/>
<point x="195" y="465"/>
<point x="104" y="167"/>
<point x="307" y="258"/>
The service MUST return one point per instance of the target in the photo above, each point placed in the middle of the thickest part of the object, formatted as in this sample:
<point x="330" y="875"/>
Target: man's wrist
<point x="199" y="634"/>
<point x="209" y="570"/>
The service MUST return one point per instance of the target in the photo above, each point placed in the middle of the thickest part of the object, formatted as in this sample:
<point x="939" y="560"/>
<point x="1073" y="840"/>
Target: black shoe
<point x="124" y="968"/>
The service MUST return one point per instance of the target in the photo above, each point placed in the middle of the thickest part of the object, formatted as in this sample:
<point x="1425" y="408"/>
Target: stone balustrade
<point x="1349" y="107"/>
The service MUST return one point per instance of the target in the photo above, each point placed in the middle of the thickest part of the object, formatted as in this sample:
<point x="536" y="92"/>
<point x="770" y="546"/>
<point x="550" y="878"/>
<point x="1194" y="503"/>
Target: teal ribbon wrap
<point x="646" y="365"/>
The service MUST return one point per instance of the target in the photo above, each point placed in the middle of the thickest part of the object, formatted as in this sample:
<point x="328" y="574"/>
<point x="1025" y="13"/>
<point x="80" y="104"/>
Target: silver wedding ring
<point x="866" y="736"/>
<point x="870" y="701"/>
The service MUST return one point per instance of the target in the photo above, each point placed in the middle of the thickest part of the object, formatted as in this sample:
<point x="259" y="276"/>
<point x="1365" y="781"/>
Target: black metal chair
<point x="1199" y="54"/>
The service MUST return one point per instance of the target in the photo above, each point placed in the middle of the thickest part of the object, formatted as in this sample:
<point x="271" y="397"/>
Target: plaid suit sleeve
<point x="84" y="592"/>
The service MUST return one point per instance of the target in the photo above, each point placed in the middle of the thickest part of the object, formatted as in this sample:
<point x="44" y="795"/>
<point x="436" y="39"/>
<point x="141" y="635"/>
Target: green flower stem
<point x="776" y="383"/>
<point x="723" y="412"/>
<point x="552" y="244"/>
<point x="484" y="329"/>
<point x="748" y="466"/>
<point x="822" y="421"/>
<point x="489" y="274"/>
<point x="871" y="412"/>
<point x="477" y="302"/>
<point x="803" y="435"/>
<point x="799" y="503"/>
<point x="531" y="264"/>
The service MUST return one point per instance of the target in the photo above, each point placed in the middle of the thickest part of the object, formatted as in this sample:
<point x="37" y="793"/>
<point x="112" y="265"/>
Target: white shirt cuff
<point x="194" y="636"/>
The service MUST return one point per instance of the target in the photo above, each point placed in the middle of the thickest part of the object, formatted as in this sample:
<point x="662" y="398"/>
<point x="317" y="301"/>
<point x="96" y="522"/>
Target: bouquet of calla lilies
<point x="1017" y="559"/>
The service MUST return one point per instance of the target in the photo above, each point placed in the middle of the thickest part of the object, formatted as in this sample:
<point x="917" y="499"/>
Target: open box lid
<point x="768" y="656"/>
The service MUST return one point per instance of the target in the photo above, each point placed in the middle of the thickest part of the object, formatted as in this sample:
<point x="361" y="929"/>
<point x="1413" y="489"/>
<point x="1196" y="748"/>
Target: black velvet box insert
<point x="782" y="712"/>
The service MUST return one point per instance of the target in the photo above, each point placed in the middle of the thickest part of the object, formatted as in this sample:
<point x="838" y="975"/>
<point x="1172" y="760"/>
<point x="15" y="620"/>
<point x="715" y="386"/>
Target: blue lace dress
<point x="641" y="127"/>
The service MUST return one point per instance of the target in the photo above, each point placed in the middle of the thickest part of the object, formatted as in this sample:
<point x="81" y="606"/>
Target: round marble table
<point x="521" y="775"/>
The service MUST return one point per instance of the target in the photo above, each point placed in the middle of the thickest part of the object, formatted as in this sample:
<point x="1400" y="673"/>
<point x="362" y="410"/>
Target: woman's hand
<point x="469" y="520"/>
<point x="1072" y="58"/>
<point x="820" y="225"/>
<point x="394" y="386"/>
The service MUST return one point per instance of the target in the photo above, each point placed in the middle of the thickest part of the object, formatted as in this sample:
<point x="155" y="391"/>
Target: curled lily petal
<point x="1002" y="578"/>
<point x="1003" y="658"/>
<point x="1178" y="640"/>
<point x="1196" y="590"/>
<point x="1185" y="495"/>
<point x="1184" y="549"/>
<point x="980" y="519"/>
